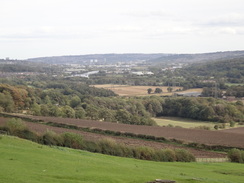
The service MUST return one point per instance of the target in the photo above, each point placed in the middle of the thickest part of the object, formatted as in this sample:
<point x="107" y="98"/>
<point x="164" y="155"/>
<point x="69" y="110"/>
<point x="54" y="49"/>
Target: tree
<point x="158" y="90"/>
<point x="68" y="112"/>
<point x="92" y="112"/>
<point x="80" y="113"/>
<point x="75" y="101"/>
<point x="123" y="116"/>
<point x="149" y="90"/>
<point x="169" y="89"/>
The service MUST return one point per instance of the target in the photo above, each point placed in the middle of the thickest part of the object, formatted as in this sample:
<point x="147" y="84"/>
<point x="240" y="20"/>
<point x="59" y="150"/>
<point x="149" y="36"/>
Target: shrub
<point x="183" y="155"/>
<point x="203" y="127"/>
<point x="18" y="128"/>
<point x="168" y="155"/>
<point x="92" y="146"/>
<point x="232" y="123"/>
<point x="144" y="153"/>
<point x="236" y="155"/>
<point x="72" y="140"/>
<point x="13" y="125"/>
<point x="51" y="138"/>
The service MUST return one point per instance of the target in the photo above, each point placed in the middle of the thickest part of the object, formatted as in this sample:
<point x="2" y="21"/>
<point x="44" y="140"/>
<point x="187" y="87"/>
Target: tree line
<point x="82" y="102"/>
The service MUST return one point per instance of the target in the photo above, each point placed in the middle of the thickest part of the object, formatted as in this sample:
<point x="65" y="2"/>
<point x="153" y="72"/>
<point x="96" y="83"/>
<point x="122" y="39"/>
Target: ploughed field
<point x="239" y="130"/>
<point x="41" y="128"/>
<point x="207" y="137"/>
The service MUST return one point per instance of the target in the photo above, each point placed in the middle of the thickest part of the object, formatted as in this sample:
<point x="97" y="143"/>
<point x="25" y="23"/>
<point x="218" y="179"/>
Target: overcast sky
<point x="36" y="28"/>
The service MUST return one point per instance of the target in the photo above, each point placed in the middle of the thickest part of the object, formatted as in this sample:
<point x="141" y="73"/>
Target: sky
<point x="39" y="28"/>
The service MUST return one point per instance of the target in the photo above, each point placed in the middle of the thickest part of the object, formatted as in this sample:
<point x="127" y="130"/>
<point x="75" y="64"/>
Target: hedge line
<point x="105" y="146"/>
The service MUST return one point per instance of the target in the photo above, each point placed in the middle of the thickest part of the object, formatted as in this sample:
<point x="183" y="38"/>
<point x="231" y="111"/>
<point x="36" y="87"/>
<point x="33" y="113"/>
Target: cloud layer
<point x="119" y="26"/>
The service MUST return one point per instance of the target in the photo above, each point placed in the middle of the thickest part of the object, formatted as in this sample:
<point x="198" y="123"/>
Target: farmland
<point x="25" y="161"/>
<point x="41" y="129"/>
<point x="188" y="135"/>
<point x="182" y="122"/>
<point x="189" y="123"/>
<point x="126" y="90"/>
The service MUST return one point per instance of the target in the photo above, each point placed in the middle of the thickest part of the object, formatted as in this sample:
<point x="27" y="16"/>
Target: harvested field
<point x="41" y="128"/>
<point x="126" y="90"/>
<point x="207" y="137"/>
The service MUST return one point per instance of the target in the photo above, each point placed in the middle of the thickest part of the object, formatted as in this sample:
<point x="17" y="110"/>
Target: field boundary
<point x="193" y="145"/>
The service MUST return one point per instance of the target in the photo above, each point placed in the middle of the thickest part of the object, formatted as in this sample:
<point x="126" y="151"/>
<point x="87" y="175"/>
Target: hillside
<point x="233" y="69"/>
<point x="97" y="58"/>
<point x="133" y="57"/>
<point x="197" y="58"/>
<point x="25" y="161"/>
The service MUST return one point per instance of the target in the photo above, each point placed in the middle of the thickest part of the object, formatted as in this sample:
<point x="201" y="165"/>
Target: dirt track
<point x="40" y="128"/>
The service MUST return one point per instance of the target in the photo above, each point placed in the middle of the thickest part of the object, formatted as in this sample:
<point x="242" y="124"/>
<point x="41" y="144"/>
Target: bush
<point x="203" y="127"/>
<point x="236" y="155"/>
<point x="232" y="123"/>
<point x="13" y="125"/>
<point x="92" y="146"/>
<point x="144" y="153"/>
<point x="110" y="147"/>
<point x="18" y="128"/>
<point x="183" y="155"/>
<point x="167" y="155"/>
<point x="51" y="138"/>
<point x="72" y="140"/>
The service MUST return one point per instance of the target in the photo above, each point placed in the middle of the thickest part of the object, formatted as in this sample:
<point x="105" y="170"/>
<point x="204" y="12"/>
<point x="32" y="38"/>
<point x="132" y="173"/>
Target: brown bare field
<point x="187" y="135"/>
<point x="126" y="90"/>
<point x="239" y="130"/>
<point x="41" y="128"/>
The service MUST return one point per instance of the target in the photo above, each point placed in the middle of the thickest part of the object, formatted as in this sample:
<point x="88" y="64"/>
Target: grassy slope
<point x="22" y="161"/>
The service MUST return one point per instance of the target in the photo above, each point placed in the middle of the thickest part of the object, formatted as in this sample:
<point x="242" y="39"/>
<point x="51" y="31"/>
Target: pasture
<point x="182" y="122"/>
<point x="190" y="123"/>
<point x="25" y="161"/>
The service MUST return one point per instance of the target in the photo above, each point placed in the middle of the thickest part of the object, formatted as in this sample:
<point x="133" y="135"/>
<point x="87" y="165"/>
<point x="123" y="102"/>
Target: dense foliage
<point x="232" y="69"/>
<point x="74" y="102"/>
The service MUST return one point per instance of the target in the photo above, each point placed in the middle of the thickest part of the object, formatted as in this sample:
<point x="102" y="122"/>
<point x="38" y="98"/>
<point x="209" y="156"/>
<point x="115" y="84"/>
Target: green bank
<point x="22" y="161"/>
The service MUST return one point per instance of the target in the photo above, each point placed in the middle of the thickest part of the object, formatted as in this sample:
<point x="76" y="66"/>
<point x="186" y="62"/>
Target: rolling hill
<point x="25" y="161"/>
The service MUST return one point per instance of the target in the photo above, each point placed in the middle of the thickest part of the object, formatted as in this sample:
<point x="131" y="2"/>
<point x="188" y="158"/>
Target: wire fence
<point x="212" y="160"/>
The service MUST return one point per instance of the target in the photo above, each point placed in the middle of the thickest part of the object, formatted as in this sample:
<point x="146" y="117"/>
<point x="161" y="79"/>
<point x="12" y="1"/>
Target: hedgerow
<point x="104" y="146"/>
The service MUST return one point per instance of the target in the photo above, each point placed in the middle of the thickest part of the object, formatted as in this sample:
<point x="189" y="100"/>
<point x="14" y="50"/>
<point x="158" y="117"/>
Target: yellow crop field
<point x="126" y="90"/>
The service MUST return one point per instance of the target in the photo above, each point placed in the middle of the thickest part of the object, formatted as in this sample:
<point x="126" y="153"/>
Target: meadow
<point x="23" y="161"/>
<point x="187" y="123"/>
<point x="182" y="122"/>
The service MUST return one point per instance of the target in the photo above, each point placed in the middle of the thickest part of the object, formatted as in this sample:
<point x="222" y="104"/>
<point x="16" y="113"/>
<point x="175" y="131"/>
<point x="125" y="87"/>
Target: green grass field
<point x="22" y="161"/>
<point x="186" y="123"/>
<point x="183" y="122"/>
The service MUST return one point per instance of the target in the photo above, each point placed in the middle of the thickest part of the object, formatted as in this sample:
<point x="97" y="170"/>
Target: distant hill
<point x="99" y="58"/>
<point x="233" y="69"/>
<point x="133" y="57"/>
<point x="196" y="58"/>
